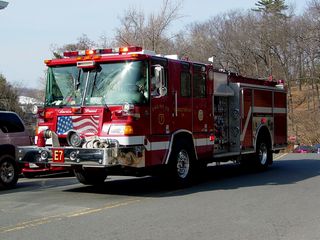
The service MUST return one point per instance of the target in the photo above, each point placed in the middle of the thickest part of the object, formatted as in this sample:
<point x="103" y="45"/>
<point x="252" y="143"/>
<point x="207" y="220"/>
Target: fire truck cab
<point x="130" y="111"/>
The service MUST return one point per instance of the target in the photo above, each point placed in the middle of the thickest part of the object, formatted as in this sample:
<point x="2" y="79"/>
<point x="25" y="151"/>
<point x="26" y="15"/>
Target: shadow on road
<point x="224" y="177"/>
<point x="39" y="183"/>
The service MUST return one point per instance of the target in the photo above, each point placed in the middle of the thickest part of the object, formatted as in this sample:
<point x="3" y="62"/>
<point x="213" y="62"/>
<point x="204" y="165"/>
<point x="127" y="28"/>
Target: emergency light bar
<point x="121" y="50"/>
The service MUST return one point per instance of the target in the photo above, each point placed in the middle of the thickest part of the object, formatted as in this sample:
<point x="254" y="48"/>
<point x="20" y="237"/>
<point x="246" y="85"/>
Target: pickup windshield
<point x="108" y="84"/>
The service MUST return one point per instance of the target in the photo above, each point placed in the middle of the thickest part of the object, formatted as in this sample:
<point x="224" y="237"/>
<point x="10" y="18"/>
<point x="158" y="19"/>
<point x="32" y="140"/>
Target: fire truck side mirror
<point x="160" y="80"/>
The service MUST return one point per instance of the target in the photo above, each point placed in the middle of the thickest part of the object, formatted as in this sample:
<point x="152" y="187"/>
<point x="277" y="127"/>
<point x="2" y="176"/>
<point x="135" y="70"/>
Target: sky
<point x="29" y="28"/>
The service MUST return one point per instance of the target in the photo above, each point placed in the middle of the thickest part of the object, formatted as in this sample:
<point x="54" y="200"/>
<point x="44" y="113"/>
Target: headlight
<point x="121" y="130"/>
<point x="44" y="156"/>
<point x="73" y="155"/>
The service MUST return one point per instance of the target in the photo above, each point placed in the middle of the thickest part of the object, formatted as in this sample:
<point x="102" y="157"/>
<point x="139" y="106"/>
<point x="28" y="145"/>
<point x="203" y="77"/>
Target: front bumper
<point x="133" y="156"/>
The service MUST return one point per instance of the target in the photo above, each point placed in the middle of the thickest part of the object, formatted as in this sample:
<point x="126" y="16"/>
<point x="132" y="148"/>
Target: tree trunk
<point x="318" y="96"/>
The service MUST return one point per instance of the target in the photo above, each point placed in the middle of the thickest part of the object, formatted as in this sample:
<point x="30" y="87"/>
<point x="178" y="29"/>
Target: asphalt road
<point x="228" y="203"/>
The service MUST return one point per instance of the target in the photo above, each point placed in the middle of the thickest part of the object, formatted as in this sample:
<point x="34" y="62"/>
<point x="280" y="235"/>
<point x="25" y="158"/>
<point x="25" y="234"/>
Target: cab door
<point x="160" y="112"/>
<point x="161" y="100"/>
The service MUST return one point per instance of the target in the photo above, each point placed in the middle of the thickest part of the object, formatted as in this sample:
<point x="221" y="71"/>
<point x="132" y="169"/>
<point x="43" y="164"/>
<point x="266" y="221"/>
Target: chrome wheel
<point x="263" y="153"/>
<point x="7" y="172"/>
<point x="183" y="164"/>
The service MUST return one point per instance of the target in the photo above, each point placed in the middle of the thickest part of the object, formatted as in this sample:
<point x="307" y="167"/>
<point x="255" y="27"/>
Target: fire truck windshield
<point x="111" y="83"/>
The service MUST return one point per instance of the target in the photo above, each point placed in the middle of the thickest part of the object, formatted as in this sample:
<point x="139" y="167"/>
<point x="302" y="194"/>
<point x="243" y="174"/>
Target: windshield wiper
<point x="76" y="83"/>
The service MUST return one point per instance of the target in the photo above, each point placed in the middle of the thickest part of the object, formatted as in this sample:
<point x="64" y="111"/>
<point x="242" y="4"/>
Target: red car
<point x="303" y="149"/>
<point x="31" y="170"/>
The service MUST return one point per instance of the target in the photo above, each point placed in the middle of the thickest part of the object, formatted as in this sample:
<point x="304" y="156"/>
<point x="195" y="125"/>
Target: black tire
<point x="9" y="172"/>
<point x="71" y="172"/>
<point x="90" y="176"/>
<point x="181" y="164"/>
<point x="263" y="156"/>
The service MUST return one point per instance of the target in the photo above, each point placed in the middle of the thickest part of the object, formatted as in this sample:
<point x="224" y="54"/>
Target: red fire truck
<point x="128" y="111"/>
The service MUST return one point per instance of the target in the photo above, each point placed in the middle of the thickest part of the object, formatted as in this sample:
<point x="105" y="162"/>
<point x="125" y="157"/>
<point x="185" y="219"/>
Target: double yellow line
<point x="280" y="156"/>
<point x="49" y="219"/>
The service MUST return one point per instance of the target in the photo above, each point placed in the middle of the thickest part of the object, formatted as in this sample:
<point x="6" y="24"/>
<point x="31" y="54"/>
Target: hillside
<point x="304" y="117"/>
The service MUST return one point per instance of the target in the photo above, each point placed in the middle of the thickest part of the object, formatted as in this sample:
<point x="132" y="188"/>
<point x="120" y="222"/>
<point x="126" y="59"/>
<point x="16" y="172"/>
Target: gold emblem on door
<point x="161" y="118"/>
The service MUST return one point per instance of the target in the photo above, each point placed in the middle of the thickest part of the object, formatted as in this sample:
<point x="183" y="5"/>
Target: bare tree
<point x="104" y="41"/>
<point x="148" y="31"/>
<point x="83" y="43"/>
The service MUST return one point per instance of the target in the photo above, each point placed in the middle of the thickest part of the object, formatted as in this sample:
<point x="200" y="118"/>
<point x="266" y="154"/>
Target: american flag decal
<point x="82" y="124"/>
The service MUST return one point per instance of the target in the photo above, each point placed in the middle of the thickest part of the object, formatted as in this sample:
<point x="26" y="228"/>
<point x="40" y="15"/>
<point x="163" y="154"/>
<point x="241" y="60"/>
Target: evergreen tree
<point x="271" y="7"/>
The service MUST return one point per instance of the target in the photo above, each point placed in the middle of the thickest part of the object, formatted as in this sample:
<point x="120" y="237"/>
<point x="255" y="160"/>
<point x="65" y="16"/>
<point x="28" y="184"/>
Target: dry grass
<point x="303" y="122"/>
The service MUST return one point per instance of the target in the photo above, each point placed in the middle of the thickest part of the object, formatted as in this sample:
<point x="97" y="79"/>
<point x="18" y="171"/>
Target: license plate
<point x="57" y="155"/>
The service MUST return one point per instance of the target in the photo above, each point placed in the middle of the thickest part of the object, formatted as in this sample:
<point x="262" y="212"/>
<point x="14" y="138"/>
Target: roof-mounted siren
<point x="280" y="84"/>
